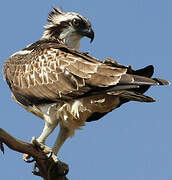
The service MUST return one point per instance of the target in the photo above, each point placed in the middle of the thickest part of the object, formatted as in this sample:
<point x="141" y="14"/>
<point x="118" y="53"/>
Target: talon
<point x="40" y="146"/>
<point x="37" y="144"/>
<point x="46" y="158"/>
<point x="30" y="161"/>
<point x="35" y="171"/>
<point x="50" y="155"/>
<point x="54" y="157"/>
<point x="47" y="150"/>
<point x="27" y="159"/>
<point x="33" y="139"/>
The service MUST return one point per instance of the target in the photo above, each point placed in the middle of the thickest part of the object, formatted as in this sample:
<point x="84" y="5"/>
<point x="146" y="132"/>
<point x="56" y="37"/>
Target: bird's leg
<point x="48" y="128"/>
<point x="62" y="136"/>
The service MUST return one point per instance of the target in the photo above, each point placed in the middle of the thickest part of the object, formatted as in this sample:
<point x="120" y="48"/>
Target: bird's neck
<point x="71" y="40"/>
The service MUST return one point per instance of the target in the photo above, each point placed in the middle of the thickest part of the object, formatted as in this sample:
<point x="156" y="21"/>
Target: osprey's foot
<point x="26" y="158"/>
<point x="39" y="147"/>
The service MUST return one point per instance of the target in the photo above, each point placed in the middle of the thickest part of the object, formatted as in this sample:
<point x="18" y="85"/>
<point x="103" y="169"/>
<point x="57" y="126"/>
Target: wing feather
<point x="52" y="72"/>
<point x="78" y="72"/>
<point x="100" y="80"/>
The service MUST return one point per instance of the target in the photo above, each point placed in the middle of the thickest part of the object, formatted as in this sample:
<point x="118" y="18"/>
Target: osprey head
<point x="69" y="27"/>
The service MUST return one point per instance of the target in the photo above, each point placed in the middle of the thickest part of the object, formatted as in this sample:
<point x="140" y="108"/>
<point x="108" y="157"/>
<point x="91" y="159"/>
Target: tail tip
<point x="162" y="81"/>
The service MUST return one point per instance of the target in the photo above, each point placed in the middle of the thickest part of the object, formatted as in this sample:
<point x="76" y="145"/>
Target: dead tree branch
<point x="49" y="168"/>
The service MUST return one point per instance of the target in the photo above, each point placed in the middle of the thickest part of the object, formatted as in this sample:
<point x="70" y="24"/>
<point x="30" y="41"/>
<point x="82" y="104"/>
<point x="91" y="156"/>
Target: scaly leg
<point x="48" y="129"/>
<point x="62" y="136"/>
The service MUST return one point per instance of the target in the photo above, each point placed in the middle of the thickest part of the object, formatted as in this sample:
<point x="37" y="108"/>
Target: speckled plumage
<point x="64" y="86"/>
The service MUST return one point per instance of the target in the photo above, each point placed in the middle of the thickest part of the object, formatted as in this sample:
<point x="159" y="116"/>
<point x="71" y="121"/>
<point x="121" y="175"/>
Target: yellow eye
<point x="76" y="22"/>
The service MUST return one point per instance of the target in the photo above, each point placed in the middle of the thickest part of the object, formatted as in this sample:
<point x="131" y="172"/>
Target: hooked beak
<point x="88" y="33"/>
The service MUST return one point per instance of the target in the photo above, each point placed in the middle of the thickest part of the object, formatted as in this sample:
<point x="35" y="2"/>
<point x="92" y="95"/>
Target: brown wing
<point x="50" y="72"/>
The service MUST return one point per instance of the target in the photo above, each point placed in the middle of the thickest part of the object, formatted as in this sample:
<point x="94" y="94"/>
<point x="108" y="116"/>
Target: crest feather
<point x="54" y="13"/>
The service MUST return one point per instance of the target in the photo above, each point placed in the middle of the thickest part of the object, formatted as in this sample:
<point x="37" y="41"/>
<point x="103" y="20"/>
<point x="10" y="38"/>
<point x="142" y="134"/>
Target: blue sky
<point x="134" y="141"/>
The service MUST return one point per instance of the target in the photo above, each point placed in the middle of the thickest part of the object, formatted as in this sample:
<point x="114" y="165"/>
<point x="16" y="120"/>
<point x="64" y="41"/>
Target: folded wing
<point x="50" y="73"/>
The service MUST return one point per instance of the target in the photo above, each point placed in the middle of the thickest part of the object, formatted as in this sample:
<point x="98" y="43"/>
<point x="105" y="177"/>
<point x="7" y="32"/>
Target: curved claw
<point x="26" y="159"/>
<point x="46" y="158"/>
<point x="29" y="161"/>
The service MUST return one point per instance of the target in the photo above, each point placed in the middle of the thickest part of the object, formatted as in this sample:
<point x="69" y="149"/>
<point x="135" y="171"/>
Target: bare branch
<point x="49" y="168"/>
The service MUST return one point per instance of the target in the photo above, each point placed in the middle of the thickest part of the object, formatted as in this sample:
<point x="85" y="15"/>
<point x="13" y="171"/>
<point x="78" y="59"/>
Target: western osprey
<point x="53" y="80"/>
